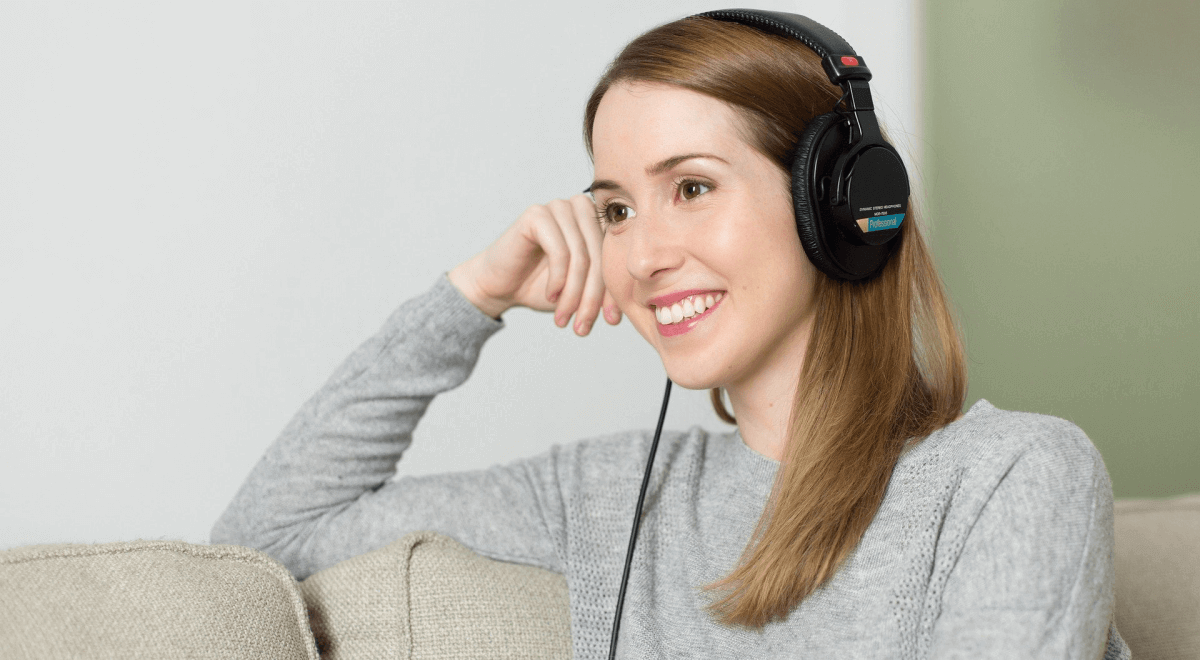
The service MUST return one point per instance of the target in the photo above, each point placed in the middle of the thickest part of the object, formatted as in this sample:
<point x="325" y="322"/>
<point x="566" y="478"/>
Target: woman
<point x="854" y="512"/>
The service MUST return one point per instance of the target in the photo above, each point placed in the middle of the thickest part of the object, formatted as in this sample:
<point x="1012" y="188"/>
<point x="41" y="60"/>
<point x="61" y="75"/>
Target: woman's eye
<point x="692" y="189"/>
<point x="616" y="213"/>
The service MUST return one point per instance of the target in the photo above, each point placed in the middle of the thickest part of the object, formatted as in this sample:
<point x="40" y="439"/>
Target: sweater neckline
<point x="751" y="461"/>
<point x="756" y="460"/>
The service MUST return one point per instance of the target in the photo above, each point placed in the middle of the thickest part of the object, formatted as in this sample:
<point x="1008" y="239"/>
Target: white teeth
<point x="685" y="308"/>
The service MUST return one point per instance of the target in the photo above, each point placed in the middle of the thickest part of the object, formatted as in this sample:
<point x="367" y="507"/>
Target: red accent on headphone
<point x="849" y="61"/>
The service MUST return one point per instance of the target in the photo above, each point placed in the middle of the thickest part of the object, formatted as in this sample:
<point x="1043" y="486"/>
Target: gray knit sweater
<point x="994" y="540"/>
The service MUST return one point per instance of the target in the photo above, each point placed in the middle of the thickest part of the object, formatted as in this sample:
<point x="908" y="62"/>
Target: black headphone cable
<point x="637" y="521"/>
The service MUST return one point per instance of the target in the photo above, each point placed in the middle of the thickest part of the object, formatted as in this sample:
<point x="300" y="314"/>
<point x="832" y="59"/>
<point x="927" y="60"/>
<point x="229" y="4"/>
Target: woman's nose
<point x="655" y="248"/>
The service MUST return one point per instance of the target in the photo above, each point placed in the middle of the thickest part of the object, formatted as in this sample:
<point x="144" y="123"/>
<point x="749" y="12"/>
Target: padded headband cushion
<point x="819" y="38"/>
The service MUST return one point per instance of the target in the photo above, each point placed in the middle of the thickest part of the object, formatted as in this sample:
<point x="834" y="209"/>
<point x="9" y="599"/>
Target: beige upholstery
<point x="515" y="611"/>
<point x="1158" y="577"/>
<point x="149" y="599"/>
<point x="427" y="596"/>
<point x="358" y="608"/>
<point x="424" y="596"/>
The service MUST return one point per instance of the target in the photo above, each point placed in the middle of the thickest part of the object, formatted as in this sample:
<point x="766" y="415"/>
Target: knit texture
<point x="149" y="600"/>
<point x="994" y="538"/>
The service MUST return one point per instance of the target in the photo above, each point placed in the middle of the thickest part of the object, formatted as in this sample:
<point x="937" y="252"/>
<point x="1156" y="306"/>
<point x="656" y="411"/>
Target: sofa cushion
<point x="1158" y="577"/>
<point x="427" y="596"/>
<point x="358" y="608"/>
<point x="149" y="599"/>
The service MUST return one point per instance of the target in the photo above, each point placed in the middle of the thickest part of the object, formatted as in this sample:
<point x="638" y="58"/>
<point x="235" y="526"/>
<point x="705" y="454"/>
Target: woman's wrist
<point x="463" y="278"/>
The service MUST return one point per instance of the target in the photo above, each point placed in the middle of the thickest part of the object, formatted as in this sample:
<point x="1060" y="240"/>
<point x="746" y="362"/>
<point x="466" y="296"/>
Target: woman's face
<point x="691" y="212"/>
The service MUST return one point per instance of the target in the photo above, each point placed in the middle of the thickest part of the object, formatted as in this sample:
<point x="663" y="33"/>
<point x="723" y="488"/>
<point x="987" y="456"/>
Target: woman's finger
<point x="580" y="261"/>
<point x="593" y="290"/>
<point x="547" y="234"/>
<point x="612" y="313"/>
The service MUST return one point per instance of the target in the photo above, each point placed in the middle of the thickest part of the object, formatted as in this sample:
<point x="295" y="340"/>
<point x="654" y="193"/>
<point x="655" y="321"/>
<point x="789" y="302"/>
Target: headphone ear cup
<point x="810" y="224"/>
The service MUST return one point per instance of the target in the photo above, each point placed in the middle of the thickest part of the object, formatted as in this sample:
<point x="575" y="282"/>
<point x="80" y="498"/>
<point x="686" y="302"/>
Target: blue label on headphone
<point x="883" y="222"/>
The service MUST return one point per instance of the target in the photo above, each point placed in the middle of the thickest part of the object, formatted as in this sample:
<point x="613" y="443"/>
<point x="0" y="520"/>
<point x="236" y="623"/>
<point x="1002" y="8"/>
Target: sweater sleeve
<point x="1034" y="577"/>
<point x="323" y="492"/>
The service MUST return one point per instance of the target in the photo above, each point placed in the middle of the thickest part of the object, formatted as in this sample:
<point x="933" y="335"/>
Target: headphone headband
<point x="821" y="39"/>
<point x="840" y="61"/>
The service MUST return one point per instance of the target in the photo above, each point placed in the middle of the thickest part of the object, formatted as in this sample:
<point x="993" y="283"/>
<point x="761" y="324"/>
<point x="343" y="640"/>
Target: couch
<point x="426" y="596"/>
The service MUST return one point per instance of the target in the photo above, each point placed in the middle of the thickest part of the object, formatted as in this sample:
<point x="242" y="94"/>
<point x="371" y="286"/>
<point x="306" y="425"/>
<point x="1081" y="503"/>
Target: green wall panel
<point x="1063" y="183"/>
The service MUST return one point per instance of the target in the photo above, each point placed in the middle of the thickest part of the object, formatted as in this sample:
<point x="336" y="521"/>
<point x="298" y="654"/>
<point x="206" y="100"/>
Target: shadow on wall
<point x="1144" y="53"/>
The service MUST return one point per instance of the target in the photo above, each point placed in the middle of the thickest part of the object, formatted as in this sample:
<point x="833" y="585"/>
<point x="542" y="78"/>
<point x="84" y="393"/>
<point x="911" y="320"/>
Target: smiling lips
<point x="683" y="313"/>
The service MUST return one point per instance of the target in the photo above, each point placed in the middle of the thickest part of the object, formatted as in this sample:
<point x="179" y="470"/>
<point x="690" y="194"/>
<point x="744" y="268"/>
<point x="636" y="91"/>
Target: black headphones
<point x="849" y="186"/>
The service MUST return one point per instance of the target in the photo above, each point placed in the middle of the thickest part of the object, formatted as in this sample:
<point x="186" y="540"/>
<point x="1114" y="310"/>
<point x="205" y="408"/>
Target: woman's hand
<point x="549" y="259"/>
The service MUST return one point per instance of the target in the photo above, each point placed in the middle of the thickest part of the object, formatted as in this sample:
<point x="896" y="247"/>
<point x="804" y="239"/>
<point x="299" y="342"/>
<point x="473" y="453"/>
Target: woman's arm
<point x="321" y="494"/>
<point x="1034" y="577"/>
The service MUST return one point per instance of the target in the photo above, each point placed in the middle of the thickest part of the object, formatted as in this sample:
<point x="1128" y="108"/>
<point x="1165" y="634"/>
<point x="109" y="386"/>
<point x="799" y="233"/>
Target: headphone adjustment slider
<point x="858" y="95"/>
<point x="841" y="68"/>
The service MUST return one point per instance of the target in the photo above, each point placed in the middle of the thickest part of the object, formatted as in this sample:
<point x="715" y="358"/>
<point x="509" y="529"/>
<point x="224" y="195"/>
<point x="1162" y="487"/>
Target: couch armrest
<point x="149" y="599"/>
<point x="1158" y="576"/>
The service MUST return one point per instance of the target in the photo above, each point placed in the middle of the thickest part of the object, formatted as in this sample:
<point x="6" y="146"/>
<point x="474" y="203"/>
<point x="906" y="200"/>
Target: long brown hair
<point x="884" y="365"/>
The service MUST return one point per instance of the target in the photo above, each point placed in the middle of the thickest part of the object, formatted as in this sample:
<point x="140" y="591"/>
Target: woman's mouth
<point x="683" y="315"/>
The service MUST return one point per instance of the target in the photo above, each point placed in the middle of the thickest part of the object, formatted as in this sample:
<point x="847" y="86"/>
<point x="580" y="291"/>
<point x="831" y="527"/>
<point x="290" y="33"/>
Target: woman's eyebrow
<point x="653" y="170"/>
<point x="663" y="166"/>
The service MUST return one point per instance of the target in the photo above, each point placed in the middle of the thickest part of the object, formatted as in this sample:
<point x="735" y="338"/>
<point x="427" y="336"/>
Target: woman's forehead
<point x="639" y="124"/>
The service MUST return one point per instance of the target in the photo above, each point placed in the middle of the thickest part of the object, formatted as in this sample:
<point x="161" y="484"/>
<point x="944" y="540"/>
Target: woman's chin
<point x="691" y="378"/>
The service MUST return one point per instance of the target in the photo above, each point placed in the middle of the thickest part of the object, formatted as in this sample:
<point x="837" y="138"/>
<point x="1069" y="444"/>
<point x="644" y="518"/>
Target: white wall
<point x="204" y="208"/>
